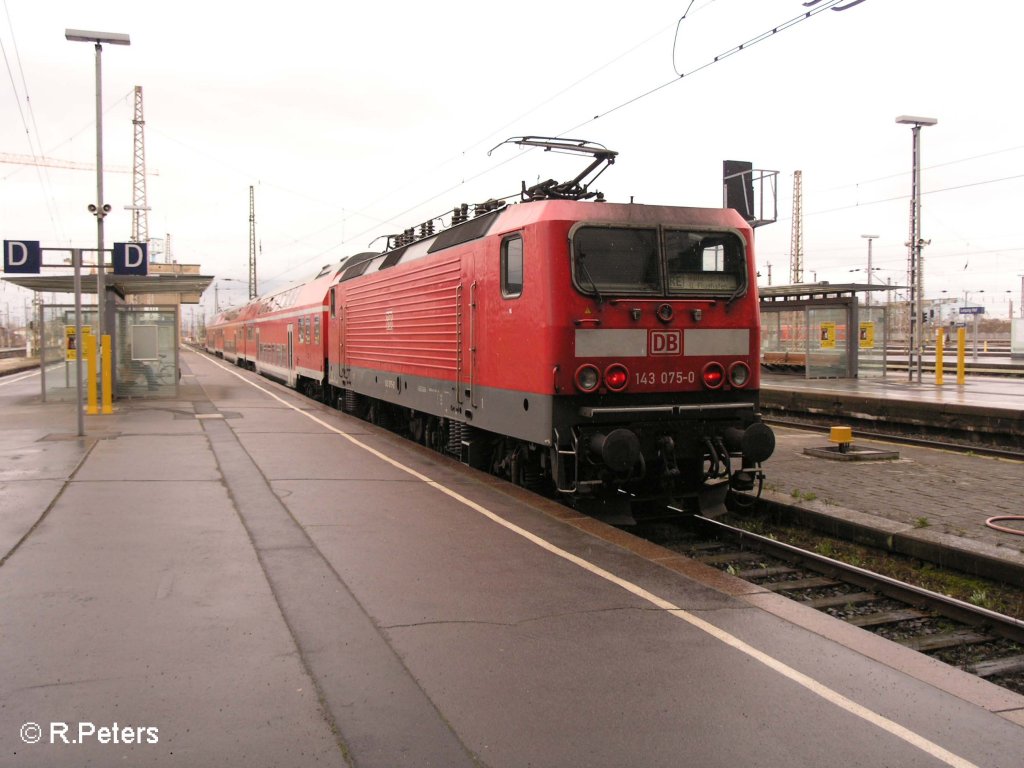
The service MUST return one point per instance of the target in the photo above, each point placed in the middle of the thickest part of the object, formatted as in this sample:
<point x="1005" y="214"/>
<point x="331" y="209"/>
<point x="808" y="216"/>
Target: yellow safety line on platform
<point x="805" y="681"/>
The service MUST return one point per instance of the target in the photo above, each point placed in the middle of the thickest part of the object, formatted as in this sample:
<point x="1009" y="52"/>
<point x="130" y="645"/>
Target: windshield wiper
<point x="735" y="294"/>
<point x="581" y="259"/>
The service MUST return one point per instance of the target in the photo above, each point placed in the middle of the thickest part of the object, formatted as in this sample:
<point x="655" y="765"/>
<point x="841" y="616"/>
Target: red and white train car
<point x="279" y="335"/>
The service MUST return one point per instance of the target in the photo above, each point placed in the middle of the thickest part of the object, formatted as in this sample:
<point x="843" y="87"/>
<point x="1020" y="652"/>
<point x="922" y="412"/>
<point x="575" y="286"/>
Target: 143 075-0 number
<point x="665" y="378"/>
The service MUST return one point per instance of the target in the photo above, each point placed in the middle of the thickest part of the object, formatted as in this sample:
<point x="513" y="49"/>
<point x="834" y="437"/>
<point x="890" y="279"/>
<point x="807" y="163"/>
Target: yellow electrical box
<point x="840" y="435"/>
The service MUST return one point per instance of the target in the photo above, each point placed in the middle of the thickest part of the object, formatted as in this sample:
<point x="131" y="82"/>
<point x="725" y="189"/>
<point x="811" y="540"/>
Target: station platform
<point x="981" y="392"/>
<point x="9" y="365"/>
<point x="240" y="576"/>
<point x="987" y="410"/>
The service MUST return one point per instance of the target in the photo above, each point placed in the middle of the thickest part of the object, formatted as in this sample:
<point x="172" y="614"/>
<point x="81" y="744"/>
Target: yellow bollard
<point x="961" y="353"/>
<point x="108" y="395"/>
<point x="90" y="373"/>
<point x="842" y="437"/>
<point x="938" y="357"/>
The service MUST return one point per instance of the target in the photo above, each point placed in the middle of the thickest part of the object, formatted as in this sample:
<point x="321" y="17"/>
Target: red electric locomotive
<point x="608" y="352"/>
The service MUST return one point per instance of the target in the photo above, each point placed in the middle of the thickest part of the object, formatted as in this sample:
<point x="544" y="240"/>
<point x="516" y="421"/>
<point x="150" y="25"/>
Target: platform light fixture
<point x="915" y="243"/>
<point x="99" y="209"/>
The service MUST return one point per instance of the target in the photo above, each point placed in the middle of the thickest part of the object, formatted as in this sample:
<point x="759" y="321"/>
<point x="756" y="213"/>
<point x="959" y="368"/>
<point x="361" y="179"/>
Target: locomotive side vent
<point x="456" y="429"/>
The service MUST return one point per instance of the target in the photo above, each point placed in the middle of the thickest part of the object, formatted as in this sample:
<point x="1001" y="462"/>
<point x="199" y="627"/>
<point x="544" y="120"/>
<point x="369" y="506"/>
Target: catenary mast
<point x="796" y="263"/>
<point x="139" y="207"/>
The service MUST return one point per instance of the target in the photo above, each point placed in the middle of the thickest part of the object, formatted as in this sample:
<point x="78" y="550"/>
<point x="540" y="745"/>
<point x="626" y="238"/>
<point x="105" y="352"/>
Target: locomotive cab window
<point x="704" y="262"/>
<point x="624" y="261"/>
<point x="512" y="267"/>
<point x="616" y="260"/>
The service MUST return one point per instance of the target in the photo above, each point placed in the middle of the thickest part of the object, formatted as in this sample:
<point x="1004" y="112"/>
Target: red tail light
<point x="616" y="377"/>
<point x="713" y="375"/>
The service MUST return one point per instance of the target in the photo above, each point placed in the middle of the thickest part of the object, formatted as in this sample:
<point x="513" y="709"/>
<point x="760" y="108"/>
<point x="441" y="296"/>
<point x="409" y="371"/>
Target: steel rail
<point x="950" y="607"/>
<point x="895" y="437"/>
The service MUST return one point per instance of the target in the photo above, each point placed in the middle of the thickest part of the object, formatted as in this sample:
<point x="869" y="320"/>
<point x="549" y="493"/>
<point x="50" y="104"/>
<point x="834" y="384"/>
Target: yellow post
<point x="961" y="352"/>
<point x="90" y="373"/>
<point x="938" y="357"/>
<point x="108" y="395"/>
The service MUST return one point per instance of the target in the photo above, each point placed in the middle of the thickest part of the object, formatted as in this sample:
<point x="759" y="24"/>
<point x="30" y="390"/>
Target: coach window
<point x="512" y="267"/>
<point x="316" y="329"/>
<point x="333" y="305"/>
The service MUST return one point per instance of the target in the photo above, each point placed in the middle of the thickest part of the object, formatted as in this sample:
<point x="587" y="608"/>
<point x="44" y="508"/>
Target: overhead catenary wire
<point x="767" y="34"/>
<point x="829" y="5"/>
<point x="42" y="175"/>
<point x="923" y="193"/>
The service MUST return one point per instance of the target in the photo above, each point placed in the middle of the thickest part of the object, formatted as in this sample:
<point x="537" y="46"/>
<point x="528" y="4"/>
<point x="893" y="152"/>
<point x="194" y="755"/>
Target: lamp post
<point x="99" y="208"/>
<point x="916" y="260"/>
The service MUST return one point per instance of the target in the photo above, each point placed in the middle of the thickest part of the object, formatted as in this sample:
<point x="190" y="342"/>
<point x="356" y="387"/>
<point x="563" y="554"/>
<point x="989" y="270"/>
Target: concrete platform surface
<point x="977" y="391"/>
<point x="242" y="577"/>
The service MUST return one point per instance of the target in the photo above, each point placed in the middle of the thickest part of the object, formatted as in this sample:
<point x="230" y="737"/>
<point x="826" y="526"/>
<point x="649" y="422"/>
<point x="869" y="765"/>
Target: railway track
<point x="817" y="424"/>
<point x="980" y="641"/>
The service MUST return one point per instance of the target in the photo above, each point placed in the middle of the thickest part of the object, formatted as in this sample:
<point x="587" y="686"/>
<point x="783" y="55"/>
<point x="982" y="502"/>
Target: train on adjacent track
<point x="608" y="353"/>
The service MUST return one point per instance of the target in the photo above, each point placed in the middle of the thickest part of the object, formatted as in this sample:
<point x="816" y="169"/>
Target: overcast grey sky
<point x="354" y="120"/>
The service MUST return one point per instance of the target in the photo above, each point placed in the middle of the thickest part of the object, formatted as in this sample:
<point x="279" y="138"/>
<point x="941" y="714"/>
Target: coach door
<point x="467" y="335"/>
<point x="291" y="351"/>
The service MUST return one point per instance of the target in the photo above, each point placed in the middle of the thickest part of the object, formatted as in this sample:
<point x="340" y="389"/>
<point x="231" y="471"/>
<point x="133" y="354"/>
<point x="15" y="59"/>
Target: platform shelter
<point x="144" y="337"/>
<point x="821" y="331"/>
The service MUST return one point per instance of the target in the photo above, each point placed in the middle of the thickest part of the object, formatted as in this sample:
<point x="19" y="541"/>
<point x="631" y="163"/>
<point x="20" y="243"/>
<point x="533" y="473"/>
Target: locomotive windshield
<point x="670" y="262"/>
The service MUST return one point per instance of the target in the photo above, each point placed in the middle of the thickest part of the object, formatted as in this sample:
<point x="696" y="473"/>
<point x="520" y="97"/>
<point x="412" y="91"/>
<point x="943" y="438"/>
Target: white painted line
<point x="805" y="681"/>
<point x="15" y="378"/>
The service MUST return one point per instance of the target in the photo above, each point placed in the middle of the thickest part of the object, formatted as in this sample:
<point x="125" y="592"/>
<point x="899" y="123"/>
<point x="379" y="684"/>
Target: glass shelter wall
<point x="783" y="337"/>
<point x="827" y="356"/>
<point x="872" y="338"/>
<point x="58" y="348"/>
<point x="146" y="352"/>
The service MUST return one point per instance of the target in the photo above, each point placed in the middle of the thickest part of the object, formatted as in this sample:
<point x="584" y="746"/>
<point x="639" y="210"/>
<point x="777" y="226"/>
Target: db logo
<point x="666" y="342"/>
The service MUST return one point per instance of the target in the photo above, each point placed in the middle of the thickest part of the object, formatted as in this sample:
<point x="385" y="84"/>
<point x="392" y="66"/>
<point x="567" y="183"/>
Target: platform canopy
<point x="122" y="285"/>
<point x="820" y="290"/>
<point x="824" y="290"/>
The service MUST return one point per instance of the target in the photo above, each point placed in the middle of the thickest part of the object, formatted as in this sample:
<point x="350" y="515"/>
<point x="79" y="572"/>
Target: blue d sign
<point x="22" y="256"/>
<point x="131" y="259"/>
